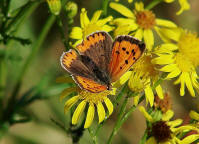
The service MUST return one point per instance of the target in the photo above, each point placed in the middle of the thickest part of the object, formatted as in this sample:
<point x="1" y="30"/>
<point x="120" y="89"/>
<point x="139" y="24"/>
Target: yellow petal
<point x="80" y="108"/>
<point x="189" y="84"/>
<point x="84" y="20"/>
<point x="67" y="91"/>
<point x="169" y="46"/>
<point x="165" y="23"/>
<point x="139" y="34"/>
<point x="168" y="115"/>
<point x="185" y="128"/>
<point x="125" y="77"/>
<point x="122" y="9"/>
<point x="76" y="33"/>
<point x="64" y="79"/>
<point x="122" y="30"/>
<point x="96" y="16"/>
<point x="69" y="103"/>
<point x="169" y="1"/>
<point x="169" y="68"/>
<point x="182" y="84"/>
<point x="194" y="115"/>
<point x="101" y="112"/>
<point x="145" y="113"/>
<point x="149" y="94"/>
<point x="109" y="105"/>
<point x="161" y="34"/>
<point x="190" y="139"/>
<point x="107" y="28"/>
<point x="171" y="33"/>
<point x="175" y="123"/>
<point x="90" y="115"/>
<point x="139" y="6"/>
<point x="148" y="38"/>
<point x="151" y="140"/>
<point x="174" y="73"/>
<point x="164" y="59"/>
<point x="101" y="22"/>
<point x="184" y="6"/>
<point x="159" y="91"/>
<point x="124" y="21"/>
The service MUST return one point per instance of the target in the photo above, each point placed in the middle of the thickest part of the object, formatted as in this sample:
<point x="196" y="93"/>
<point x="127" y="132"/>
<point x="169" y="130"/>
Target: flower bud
<point x="54" y="6"/>
<point x="71" y="9"/>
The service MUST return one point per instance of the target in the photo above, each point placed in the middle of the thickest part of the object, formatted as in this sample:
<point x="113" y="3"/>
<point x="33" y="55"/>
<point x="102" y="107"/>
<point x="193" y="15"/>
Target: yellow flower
<point x="180" y="59"/>
<point x="84" y="97"/>
<point x="138" y="23"/>
<point x="184" y="5"/>
<point x="164" y="131"/>
<point x="90" y="26"/>
<point x="142" y="77"/>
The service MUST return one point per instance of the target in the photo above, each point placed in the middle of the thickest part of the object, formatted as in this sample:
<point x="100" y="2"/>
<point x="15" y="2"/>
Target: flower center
<point x="145" y="67"/>
<point x="94" y="97"/>
<point x="161" y="131"/>
<point x="145" y="19"/>
<point x="189" y="46"/>
<point x="136" y="82"/>
<point x="183" y="62"/>
<point x="90" y="29"/>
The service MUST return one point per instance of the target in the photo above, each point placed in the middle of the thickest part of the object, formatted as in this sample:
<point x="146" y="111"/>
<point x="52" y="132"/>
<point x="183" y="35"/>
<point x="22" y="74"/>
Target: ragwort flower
<point x="90" y="26"/>
<point x="138" y="23"/>
<point x="161" y="130"/>
<point x="184" y="5"/>
<point x="142" y="77"/>
<point x="180" y="59"/>
<point x="83" y="98"/>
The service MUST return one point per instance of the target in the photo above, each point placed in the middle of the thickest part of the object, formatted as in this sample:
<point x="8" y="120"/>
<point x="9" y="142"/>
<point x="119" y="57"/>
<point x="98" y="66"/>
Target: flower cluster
<point x="175" y="58"/>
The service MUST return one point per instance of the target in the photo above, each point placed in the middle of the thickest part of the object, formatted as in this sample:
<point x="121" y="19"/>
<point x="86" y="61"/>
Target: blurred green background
<point x="45" y="68"/>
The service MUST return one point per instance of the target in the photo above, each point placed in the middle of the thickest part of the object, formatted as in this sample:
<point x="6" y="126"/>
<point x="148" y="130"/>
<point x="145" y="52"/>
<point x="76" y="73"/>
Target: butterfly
<point x="99" y="61"/>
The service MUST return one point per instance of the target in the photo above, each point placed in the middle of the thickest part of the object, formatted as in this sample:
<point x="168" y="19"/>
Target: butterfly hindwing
<point x="98" y="47"/>
<point x="126" y="50"/>
<point x="89" y="84"/>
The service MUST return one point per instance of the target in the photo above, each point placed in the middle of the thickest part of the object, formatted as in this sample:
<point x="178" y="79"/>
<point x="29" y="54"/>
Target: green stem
<point x="94" y="138"/>
<point x="122" y="119"/>
<point x="118" y="98"/>
<point x="117" y="125"/>
<point x="105" y="6"/>
<point x="60" y="26"/>
<point x="129" y="111"/>
<point x="153" y="4"/>
<point x="34" y="51"/>
<point x="3" y="74"/>
<point x="144" y="137"/>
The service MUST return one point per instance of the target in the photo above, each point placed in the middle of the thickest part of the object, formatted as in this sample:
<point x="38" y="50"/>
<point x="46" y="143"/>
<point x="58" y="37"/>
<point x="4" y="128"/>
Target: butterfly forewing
<point x="125" y="52"/>
<point x="72" y="62"/>
<point x="98" y="47"/>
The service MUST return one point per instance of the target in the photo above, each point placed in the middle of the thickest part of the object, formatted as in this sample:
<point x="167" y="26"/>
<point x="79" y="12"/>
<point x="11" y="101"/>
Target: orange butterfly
<point x="101" y="61"/>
